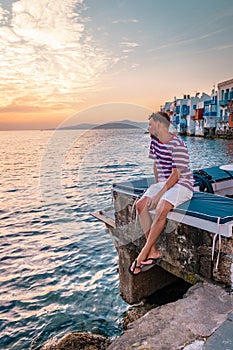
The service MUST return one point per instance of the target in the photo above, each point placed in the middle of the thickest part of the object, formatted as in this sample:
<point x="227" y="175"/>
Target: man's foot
<point x="149" y="263"/>
<point x="134" y="269"/>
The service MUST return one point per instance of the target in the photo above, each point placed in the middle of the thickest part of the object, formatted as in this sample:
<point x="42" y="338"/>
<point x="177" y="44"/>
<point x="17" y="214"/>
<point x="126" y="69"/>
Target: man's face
<point x="153" y="127"/>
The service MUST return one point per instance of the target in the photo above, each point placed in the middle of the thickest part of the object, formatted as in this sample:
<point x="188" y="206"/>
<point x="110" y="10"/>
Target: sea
<point x="58" y="264"/>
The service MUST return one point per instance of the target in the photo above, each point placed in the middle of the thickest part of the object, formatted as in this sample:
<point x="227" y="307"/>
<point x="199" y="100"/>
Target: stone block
<point x="133" y="289"/>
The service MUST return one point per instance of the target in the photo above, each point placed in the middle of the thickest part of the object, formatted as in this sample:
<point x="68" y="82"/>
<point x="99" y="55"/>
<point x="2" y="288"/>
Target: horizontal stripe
<point x="167" y="156"/>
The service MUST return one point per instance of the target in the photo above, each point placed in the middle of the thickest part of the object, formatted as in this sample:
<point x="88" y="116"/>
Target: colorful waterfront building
<point x="187" y="114"/>
<point x="178" y="110"/>
<point x="204" y="115"/>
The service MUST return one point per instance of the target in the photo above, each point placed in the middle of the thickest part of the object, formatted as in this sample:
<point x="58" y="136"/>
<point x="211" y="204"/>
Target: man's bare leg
<point x="150" y="250"/>
<point x="144" y="215"/>
<point x="146" y="222"/>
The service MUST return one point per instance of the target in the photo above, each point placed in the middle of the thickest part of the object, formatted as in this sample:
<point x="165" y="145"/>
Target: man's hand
<point x="153" y="201"/>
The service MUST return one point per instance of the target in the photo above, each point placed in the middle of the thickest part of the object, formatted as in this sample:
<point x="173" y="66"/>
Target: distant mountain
<point x="123" y="124"/>
<point x="79" y="126"/>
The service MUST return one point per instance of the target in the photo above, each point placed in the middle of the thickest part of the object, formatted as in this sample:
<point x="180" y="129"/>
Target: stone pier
<point x="186" y="253"/>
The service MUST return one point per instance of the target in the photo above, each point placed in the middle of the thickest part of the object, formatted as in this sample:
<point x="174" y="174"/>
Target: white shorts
<point x="176" y="195"/>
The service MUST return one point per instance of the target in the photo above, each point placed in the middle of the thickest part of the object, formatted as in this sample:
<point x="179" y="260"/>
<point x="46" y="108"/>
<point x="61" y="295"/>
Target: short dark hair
<point x="163" y="117"/>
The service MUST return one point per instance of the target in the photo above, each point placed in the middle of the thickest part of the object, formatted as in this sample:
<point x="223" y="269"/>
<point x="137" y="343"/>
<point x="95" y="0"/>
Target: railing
<point x="210" y="114"/>
<point x="223" y="103"/>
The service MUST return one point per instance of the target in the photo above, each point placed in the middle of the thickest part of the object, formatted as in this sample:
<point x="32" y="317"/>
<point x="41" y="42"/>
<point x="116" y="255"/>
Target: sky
<point x="60" y="59"/>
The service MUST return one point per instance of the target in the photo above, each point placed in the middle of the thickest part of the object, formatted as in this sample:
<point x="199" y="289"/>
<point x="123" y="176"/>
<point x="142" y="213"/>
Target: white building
<point x="187" y="114"/>
<point x="191" y="124"/>
<point x="210" y="114"/>
<point x="203" y="115"/>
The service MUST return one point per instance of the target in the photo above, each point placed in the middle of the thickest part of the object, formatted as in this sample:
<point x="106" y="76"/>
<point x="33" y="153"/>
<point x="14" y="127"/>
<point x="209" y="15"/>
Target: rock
<point x="136" y="313"/>
<point x="172" y="326"/>
<point x="196" y="345"/>
<point x="78" y="341"/>
<point x="165" y="295"/>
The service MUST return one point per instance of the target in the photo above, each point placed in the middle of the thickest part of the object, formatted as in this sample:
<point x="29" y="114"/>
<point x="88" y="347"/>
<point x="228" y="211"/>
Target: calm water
<point x="58" y="270"/>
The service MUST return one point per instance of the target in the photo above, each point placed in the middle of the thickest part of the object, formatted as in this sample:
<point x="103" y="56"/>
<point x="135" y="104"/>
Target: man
<point x="173" y="186"/>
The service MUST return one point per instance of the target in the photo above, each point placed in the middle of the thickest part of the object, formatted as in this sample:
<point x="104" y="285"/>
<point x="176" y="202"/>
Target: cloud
<point x="15" y="108"/>
<point x="182" y="42"/>
<point x="135" y="65"/>
<point x="47" y="56"/>
<point x="3" y="15"/>
<point x="129" y="20"/>
<point x="129" y="44"/>
<point x="216" y="48"/>
<point x="128" y="47"/>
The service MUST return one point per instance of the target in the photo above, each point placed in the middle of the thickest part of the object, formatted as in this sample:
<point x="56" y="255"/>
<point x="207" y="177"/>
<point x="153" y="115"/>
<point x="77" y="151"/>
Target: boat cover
<point x="216" y="173"/>
<point x="135" y="187"/>
<point x="209" y="207"/>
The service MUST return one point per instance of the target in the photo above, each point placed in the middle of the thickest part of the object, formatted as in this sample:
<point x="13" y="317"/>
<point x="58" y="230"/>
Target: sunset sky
<point x="60" y="57"/>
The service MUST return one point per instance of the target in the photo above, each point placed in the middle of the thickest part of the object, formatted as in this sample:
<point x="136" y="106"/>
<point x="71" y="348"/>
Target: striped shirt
<point x="173" y="154"/>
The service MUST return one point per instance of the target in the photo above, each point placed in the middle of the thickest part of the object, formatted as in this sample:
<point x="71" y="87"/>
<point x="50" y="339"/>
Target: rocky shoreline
<point x="186" y="323"/>
<point x="78" y="341"/>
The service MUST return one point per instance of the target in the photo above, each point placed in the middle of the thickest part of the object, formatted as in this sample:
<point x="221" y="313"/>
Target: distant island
<point x="123" y="124"/>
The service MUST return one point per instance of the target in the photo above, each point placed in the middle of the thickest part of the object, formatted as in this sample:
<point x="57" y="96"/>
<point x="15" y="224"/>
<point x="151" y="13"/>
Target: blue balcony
<point x="223" y="103"/>
<point x="183" y="122"/>
<point x="177" y="120"/>
<point x="210" y="114"/>
<point x="185" y="110"/>
<point x="210" y="103"/>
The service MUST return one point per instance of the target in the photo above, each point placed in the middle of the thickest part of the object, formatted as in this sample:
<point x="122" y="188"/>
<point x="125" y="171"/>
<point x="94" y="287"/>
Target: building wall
<point x="225" y="94"/>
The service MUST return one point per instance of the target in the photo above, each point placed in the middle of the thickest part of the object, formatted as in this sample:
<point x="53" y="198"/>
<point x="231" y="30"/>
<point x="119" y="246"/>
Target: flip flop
<point x="134" y="268"/>
<point x="147" y="267"/>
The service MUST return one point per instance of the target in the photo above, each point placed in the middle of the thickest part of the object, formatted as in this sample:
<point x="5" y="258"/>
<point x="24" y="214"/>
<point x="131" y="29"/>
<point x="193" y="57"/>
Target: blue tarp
<point x="209" y="207"/>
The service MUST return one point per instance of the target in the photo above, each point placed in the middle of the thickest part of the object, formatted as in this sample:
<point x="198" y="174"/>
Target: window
<point x="231" y="94"/>
<point x="227" y="94"/>
<point x="213" y="108"/>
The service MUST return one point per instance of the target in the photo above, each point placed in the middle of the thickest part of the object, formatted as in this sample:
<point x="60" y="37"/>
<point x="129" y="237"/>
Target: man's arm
<point x="155" y="172"/>
<point x="172" y="180"/>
